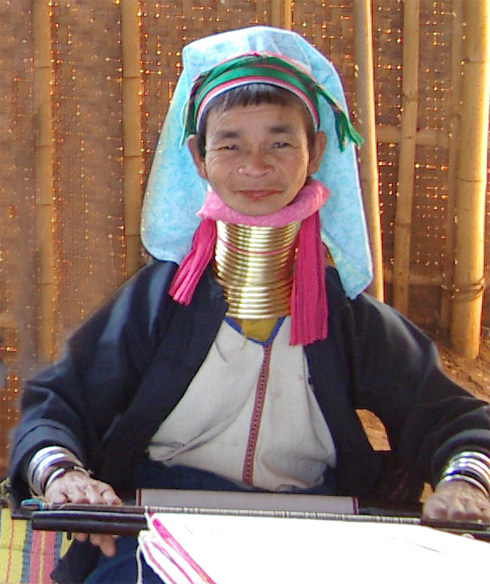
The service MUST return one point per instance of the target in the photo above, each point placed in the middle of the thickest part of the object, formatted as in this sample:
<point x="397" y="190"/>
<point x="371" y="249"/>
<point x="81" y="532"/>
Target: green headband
<point x="269" y="69"/>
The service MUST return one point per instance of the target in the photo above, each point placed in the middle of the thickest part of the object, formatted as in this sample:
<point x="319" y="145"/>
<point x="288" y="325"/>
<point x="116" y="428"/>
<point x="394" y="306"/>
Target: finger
<point x="474" y="510"/>
<point x="96" y="493"/>
<point x="435" y="508"/>
<point x="80" y="536"/>
<point x="457" y="501"/>
<point x="110" y="498"/>
<point x="83" y="490"/>
<point x="459" y="508"/>
<point x="465" y="510"/>
<point x="68" y="488"/>
<point x="57" y="498"/>
<point x="485" y="513"/>
<point x="106" y="543"/>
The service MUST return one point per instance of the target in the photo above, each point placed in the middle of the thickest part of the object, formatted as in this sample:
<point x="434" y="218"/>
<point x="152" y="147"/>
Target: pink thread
<point x="167" y="537"/>
<point x="156" y="564"/>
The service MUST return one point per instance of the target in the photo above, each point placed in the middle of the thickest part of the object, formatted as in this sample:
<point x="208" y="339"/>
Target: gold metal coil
<point x="260" y="295"/>
<point x="243" y="313"/>
<point x="255" y="238"/>
<point x="255" y="267"/>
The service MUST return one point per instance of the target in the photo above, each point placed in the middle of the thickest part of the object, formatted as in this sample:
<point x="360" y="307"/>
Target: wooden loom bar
<point x="43" y="164"/>
<point x="132" y="131"/>
<point x="282" y="14"/>
<point x="366" y="116"/>
<point x="130" y="520"/>
<point x="403" y="216"/>
<point x="468" y="284"/>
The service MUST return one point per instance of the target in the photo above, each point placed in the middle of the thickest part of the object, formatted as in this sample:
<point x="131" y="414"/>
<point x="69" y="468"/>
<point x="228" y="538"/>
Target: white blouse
<point x="250" y="415"/>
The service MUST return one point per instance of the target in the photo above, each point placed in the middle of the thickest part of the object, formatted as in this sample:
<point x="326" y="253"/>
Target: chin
<point x="257" y="212"/>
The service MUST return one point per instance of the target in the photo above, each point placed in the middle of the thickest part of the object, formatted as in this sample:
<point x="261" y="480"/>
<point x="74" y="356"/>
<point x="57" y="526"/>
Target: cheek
<point x="297" y="169"/>
<point x="299" y="161"/>
<point x="215" y="164"/>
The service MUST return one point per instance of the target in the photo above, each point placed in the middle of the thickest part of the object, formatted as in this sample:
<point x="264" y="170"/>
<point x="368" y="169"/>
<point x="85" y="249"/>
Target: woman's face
<point x="257" y="156"/>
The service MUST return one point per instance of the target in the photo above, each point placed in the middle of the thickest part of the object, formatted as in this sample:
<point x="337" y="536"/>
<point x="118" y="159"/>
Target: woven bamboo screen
<point x="84" y="87"/>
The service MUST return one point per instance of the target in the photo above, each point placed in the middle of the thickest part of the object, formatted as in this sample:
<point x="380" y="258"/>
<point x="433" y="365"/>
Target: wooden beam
<point x="43" y="169"/>
<point x="454" y="128"/>
<point x="282" y="14"/>
<point x="132" y="131"/>
<point x="366" y="118"/>
<point x="468" y="284"/>
<point x="403" y="215"/>
<point x="434" y="280"/>
<point x="423" y="137"/>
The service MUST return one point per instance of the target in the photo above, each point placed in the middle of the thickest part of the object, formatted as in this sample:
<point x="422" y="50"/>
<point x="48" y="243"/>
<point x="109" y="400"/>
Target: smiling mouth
<point x="257" y="194"/>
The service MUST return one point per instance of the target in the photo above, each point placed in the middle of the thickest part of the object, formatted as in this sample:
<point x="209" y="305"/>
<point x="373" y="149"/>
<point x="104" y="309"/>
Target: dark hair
<point x="254" y="94"/>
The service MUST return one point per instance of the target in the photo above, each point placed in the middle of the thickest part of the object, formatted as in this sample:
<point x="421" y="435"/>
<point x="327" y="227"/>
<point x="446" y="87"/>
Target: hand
<point x="77" y="487"/>
<point x="457" y="501"/>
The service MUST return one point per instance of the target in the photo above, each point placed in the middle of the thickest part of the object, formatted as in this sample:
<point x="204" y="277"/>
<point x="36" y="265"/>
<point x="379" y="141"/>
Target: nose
<point x="255" y="164"/>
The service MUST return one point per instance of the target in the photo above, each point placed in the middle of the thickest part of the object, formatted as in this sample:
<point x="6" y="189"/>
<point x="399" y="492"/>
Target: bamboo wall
<point x="84" y="87"/>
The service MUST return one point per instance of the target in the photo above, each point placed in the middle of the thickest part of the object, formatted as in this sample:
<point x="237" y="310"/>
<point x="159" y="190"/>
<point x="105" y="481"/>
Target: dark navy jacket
<point x="128" y="365"/>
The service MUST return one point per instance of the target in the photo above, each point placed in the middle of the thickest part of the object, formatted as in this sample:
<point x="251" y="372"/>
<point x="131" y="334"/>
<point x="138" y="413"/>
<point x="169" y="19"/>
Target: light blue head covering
<point x="175" y="191"/>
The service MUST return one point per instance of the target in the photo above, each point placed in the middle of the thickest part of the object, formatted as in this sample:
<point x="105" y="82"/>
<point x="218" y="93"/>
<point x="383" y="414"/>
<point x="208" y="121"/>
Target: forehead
<point x="265" y="117"/>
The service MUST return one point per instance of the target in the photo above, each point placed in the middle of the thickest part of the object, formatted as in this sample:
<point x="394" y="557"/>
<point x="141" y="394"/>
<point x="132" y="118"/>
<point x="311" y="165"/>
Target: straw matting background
<point x="84" y="222"/>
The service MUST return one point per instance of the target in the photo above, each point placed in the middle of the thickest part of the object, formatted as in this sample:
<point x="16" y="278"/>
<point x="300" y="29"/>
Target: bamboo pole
<point x="132" y="131"/>
<point x="456" y="59"/>
<point x="434" y="280"/>
<point x="468" y="285"/>
<point x="43" y="167"/>
<point x="366" y="117"/>
<point x="406" y="164"/>
<point x="424" y="136"/>
<point x="282" y="14"/>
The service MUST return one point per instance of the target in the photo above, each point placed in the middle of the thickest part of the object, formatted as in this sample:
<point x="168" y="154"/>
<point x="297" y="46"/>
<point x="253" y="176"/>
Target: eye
<point x="281" y="145"/>
<point x="227" y="147"/>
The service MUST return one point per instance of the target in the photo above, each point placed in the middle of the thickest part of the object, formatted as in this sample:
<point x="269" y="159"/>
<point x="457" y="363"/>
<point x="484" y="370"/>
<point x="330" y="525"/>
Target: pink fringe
<point x="195" y="262"/>
<point x="309" y="315"/>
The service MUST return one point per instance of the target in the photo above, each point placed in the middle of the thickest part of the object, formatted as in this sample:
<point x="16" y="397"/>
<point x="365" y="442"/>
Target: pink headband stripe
<point x="257" y="79"/>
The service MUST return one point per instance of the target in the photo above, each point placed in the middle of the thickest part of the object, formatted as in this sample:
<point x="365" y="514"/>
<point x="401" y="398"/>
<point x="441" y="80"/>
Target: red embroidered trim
<point x="248" y="466"/>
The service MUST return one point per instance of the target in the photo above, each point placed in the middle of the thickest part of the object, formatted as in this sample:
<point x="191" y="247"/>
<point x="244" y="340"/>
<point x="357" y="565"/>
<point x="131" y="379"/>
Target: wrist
<point x="470" y="467"/>
<point x="48" y="464"/>
<point x="60" y="472"/>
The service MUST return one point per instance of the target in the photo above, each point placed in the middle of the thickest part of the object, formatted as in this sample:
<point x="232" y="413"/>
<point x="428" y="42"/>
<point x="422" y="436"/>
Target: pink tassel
<point x="195" y="262"/>
<point x="309" y="299"/>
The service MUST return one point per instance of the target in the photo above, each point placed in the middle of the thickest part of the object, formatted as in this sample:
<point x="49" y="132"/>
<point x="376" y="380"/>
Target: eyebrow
<point x="274" y="130"/>
<point x="282" y="129"/>
<point x="226" y="134"/>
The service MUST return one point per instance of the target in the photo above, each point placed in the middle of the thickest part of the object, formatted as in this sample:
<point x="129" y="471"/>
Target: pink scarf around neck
<point x="308" y="297"/>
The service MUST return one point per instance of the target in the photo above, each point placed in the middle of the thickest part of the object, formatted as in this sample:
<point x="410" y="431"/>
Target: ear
<point x="198" y="160"/>
<point x="316" y="153"/>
